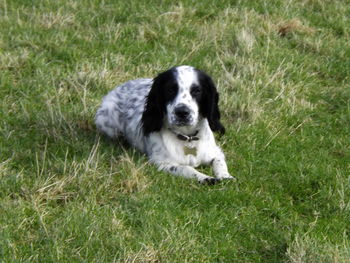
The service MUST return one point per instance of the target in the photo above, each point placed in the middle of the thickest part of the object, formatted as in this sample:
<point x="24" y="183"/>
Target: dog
<point x="171" y="118"/>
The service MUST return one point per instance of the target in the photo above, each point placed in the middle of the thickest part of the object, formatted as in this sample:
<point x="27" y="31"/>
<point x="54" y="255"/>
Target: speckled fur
<point x="123" y="111"/>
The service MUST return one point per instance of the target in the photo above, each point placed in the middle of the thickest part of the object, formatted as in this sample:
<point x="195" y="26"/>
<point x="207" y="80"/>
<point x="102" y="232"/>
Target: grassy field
<point x="70" y="195"/>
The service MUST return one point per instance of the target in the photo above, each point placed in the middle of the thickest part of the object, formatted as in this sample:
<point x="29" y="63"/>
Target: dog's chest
<point x="183" y="152"/>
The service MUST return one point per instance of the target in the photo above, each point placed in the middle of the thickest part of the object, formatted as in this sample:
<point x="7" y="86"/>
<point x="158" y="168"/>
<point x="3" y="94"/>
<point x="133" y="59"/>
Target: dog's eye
<point x="195" y="91"/>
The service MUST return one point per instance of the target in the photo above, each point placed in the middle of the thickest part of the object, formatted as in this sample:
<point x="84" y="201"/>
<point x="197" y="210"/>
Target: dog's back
<point x="121" y="111"/>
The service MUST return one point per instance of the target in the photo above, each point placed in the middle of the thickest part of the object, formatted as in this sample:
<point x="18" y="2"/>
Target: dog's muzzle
<point x="183" y="114"/>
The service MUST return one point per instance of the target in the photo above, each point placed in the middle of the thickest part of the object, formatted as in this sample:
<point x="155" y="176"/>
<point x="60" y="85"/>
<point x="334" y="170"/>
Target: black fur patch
<point x="208" y="105"/>
<point x="163" y="90"/>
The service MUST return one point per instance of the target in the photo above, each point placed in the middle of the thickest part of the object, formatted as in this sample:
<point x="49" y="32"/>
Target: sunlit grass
<point x="68" y="194"/>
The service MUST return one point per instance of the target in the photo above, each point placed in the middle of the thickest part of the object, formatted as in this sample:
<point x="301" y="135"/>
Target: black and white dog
<point x="170" y="118"/>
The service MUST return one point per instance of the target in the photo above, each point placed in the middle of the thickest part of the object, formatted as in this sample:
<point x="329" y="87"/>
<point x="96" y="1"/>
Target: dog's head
<point x="180" y="98"/>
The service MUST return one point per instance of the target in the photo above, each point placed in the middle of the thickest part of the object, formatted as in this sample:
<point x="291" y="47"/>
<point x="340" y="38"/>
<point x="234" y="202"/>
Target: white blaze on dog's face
<point x="183" y="110"/>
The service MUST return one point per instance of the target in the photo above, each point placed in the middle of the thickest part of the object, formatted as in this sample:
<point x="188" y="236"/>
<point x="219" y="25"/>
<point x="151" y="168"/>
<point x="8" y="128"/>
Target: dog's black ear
<point x="155" y="108"/>
<point x="152" y="117"/>
<point x="209" y="104"/>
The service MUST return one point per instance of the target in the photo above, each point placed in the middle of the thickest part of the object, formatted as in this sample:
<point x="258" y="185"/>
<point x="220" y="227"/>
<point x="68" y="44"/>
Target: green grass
<point x="69" y="195"/>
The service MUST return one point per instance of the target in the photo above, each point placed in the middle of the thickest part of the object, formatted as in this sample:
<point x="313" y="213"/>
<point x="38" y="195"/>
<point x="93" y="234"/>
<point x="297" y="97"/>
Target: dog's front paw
<point x="209" y="181"/>
<point x="226" y="177"/>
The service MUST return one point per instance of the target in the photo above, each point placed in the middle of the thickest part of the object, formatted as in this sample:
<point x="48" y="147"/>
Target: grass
<point x="69" y="195"/>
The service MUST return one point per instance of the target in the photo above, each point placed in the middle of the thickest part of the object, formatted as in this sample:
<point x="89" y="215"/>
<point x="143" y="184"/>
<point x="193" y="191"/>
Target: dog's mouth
<point x="182" y="122"/>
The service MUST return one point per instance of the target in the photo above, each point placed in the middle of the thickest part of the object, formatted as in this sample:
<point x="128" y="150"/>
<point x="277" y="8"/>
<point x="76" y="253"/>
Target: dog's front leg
<point x="187" y="172"/>
<point x="220" y="169"/>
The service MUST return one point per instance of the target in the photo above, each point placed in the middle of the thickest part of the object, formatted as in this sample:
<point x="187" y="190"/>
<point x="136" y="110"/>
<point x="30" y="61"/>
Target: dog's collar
<point x="186" y="138"/>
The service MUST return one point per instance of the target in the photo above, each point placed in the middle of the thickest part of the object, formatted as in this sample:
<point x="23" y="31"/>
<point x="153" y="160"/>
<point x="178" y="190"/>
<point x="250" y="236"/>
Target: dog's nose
<point x="182" y="111"/>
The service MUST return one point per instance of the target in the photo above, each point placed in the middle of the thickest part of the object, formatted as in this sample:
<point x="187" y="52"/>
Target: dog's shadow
<point x="116" y="147"/>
